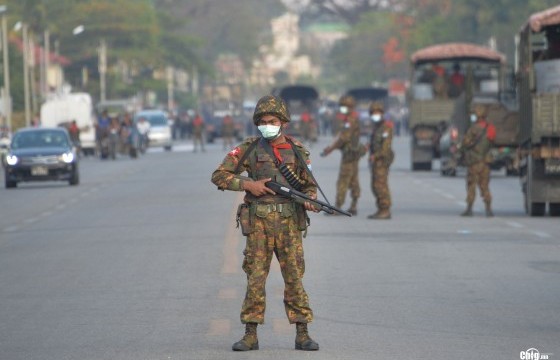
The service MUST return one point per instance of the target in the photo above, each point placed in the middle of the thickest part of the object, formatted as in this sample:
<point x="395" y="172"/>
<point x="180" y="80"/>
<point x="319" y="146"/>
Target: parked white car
<point x="160" y="133"/>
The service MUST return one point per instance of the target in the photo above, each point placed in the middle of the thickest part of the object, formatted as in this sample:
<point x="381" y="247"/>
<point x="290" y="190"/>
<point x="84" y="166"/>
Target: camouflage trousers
<point x="275" y="233"/>
<point x="478" y="174"/>
<point x="347" y="180"/>
<point x="198" y="141"/>
<point x="227" y="141"/>
<point x="380" y="185"/>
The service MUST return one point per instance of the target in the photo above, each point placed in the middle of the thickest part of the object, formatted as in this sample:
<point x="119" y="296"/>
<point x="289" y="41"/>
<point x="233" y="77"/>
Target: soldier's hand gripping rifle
<point x="301" y="198"/>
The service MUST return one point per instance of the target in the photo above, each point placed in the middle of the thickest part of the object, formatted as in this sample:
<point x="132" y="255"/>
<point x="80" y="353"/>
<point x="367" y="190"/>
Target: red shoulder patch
<point x="235" y="152"/>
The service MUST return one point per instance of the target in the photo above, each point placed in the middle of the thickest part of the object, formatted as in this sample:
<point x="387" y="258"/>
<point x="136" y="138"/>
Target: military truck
<point x="427" y="111"/>
<point x="538" y="74"/>
<point x="299" y="98"/>
<point x="364" y="97"/>
<point x="439" y="87"/>
<point x="486" y="83"/>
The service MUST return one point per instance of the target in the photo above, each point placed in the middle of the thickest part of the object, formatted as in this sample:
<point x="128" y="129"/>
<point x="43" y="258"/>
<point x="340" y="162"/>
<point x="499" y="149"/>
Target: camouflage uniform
<point x="198" y="131"/>
<point x="348" y="141"/>
<point x="382" y="155"/>
<point x="475" y="148"/>
<point x="272" y="224"/>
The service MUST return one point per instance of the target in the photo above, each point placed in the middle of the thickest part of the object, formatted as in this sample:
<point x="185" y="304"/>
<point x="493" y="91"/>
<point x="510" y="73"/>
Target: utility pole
<point x="102" y="69"/>
<point x="47" y="52"/>
<point x="26" y="75"/>
<point x="7" y="96"/>
<point x="170" y="89"/>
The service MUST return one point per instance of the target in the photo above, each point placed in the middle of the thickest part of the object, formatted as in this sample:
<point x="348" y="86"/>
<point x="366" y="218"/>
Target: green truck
<point x="538" y="75"/>
<point x="445" y="80"/>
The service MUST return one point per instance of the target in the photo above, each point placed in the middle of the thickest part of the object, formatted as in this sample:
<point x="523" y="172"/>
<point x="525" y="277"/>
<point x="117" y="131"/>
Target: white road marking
<point x="11" y="229"/>
<point x="515" y="224"/>
<point x="541" y="234"/>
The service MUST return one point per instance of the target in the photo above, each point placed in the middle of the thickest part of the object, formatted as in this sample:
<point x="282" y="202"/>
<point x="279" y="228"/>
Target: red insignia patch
<point x="234" y="152"/>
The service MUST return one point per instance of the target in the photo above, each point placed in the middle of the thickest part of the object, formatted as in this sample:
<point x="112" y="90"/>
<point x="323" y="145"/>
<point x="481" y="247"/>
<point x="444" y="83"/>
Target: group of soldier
<point x="275" y="225"/>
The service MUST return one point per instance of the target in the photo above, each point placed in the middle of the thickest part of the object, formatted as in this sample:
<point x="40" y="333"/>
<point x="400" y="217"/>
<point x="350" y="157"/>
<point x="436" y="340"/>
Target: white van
<point x="60" y="110"/>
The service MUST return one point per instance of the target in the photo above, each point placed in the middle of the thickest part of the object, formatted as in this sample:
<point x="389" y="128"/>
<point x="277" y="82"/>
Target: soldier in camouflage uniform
<point x="475" y="149"/>
<point x="348" y="141"/>
<point x="380" y="158"/>
<point x="273" y="224"/>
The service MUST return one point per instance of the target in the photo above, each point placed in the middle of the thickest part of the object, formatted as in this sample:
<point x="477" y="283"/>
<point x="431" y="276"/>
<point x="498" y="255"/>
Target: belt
<point x="275" y="207"/>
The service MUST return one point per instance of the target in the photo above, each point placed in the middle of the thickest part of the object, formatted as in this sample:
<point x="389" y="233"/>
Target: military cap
<point x="347" y="100"/>
<point x="480" y="110"/>
<point x="271" y="105"/>
<point x="376" y="106"/>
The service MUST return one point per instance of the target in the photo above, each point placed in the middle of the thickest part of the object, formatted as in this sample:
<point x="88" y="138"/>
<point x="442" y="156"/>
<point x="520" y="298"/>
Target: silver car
<point x="160" y="133"/>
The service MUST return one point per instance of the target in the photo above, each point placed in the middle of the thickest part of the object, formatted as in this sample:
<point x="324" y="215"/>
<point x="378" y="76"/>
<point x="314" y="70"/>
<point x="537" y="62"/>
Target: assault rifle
<point x="301" y="198"/>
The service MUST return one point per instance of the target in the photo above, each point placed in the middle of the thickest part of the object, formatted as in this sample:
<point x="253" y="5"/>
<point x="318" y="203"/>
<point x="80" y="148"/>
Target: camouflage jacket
<point x="260" y="165"/>
<point x="348" y="140"/>
<point x="477" y="143"/>
<point x="380" y="142"/>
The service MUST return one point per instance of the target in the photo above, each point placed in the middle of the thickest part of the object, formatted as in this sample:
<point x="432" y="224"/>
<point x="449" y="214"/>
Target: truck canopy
<point x="303" y="93"/>
<point x="456" y="52"/>
<point x="368" y="94"/>
<point x="542" y="19"/>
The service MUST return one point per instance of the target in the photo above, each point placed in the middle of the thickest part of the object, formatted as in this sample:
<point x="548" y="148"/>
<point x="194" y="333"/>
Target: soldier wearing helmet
<point x="271" y="223"/>
<point x="475" y="149"/>
<point x="380" y="159"/>
<point x="348" y="142"/>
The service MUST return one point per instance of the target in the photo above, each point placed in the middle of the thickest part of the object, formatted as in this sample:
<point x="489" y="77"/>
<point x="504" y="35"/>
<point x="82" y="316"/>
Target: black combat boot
<point x="249" y="341"/>
<point x="303" y="341"/>
<point x="489" y="212"/>
<point x="468" y="211"/>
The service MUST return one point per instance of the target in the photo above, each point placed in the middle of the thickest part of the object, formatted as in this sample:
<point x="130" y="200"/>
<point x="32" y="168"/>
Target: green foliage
<point x="360" y="57"/>
<point x="433" y="21"/>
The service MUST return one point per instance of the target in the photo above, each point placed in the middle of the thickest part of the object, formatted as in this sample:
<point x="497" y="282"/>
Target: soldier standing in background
<point x="475" y="149"/>
<point x="228" y="131"/>
<point x="272" y="223"/>
<point x="198" y="132"/>
<point x="380" y="158"/>
<point x="348" y="141"/>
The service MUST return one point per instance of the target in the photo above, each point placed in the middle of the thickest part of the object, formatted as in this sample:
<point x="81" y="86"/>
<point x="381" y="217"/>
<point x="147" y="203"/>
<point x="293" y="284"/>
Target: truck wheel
<point x="75" y="178"/>
<point x="424" y="166"/>
<point x="554" y="209"/>
<point x="536" y="209"/>
<point x="512" y="172"/>
<point x="10" y="184"/>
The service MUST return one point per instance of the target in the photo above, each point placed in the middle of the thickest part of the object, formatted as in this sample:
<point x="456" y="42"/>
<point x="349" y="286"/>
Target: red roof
<point x="544" y="18"/>
<point x="456" y="51"/>
<point x="38" y="51"/>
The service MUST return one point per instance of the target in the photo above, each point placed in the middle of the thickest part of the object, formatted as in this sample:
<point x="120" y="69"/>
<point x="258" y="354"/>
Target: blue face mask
<point x="343" y="110"/>
<point x="473" y="118"/>
<point x="269" y="132"/>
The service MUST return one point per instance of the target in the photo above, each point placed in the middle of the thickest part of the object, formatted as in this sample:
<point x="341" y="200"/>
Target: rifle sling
<point x="268" y="149"/>
<point x="483" y="132"/>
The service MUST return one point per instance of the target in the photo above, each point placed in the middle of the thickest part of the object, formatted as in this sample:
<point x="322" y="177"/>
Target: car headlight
<point x="11" y="160"/>
<point x="67" y="157"/>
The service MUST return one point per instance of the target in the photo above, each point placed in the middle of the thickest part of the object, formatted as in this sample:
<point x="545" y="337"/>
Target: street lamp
<point x="78" y="30"/>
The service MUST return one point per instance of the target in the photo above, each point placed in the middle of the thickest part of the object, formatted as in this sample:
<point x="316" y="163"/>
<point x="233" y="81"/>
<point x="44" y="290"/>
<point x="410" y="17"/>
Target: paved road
<point x="142" y="261"/>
